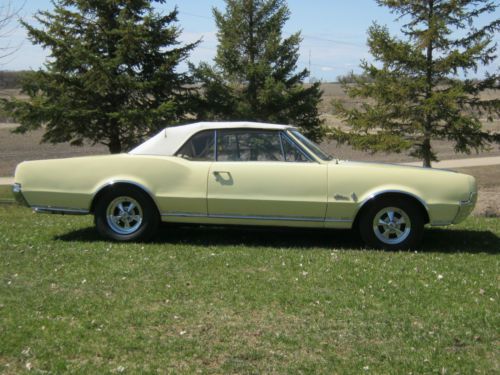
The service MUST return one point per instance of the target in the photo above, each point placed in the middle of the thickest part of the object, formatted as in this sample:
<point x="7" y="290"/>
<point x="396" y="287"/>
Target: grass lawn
<point x="233" y="300"/>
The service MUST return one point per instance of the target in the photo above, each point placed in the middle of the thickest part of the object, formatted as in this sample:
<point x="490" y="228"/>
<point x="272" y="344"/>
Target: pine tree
<point x="416" y="91"/>
<point x="254" y="77"/>
<point x="111" y="76"/>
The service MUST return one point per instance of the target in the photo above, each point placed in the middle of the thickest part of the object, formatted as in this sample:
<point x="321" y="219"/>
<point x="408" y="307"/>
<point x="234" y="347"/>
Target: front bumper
<point x="18" y="195"/>
<point x="465" y="208"/>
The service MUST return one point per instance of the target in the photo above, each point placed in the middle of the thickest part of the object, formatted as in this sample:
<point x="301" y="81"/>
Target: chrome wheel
<point x="124" y="215"/>
<point x="391" y="225"/>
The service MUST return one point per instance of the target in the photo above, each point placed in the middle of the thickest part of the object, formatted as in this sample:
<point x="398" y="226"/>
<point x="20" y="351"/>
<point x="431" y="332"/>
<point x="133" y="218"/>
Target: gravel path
<point x="462" y="163"/>
<point x="6" y="180"/>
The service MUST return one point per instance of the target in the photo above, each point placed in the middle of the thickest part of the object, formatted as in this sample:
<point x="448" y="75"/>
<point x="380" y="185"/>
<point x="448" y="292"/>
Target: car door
<point x="184" y="191"/>
<point x="262" y="175"/>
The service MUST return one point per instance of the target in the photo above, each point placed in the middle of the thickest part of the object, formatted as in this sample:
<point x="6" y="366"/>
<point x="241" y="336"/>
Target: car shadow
<point x="435" y="240"/>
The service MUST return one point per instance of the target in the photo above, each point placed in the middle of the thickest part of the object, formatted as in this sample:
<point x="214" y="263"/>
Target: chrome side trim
<point x="59" y="210"/>
<point x="182" y="214"/>
<point x="378" y="193"/>
<point x="255" y="217"/>
<point x="440" y="223"/>
<point x="338" y="220"/>
<point x="271" y="218"/>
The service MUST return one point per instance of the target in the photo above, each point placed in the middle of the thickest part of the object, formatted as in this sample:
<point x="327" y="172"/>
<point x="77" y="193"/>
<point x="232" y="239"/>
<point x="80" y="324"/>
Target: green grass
<point x="233" y="300"/>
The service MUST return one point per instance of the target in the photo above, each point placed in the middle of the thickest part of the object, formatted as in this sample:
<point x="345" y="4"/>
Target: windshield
<point x="313" y="147"/>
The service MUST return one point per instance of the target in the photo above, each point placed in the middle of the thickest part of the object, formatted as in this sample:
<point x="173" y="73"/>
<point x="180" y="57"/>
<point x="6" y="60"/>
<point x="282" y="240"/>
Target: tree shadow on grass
<point x="435" y="240"/>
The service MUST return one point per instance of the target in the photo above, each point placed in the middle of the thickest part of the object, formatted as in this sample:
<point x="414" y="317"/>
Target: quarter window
<point x="312" y="146"/>
<point x="200" y="147"/>
<point x="292" y="152"/>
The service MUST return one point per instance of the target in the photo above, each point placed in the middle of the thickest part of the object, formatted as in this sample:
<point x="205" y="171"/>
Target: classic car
<point x="245" y="173"/>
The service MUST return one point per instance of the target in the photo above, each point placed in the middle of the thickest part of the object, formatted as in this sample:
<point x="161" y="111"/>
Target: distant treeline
<point x="11" y="79"/>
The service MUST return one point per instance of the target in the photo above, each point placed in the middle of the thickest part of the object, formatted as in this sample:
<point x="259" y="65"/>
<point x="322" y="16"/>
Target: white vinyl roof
<point x="169" y="140"/>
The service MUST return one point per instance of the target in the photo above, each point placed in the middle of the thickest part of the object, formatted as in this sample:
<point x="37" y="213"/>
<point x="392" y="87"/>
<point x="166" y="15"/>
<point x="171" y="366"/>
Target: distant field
<point x="15" y="148"/>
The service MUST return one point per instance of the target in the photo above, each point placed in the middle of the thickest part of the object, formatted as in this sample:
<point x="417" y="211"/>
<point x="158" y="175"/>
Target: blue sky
<point x="333" y="31"/>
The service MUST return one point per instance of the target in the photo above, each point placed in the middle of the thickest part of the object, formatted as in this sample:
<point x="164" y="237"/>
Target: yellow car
<point x="245" y="173"/>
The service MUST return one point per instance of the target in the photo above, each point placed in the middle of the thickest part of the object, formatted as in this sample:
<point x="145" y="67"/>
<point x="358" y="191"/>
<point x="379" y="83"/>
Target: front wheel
<point x="126" y="214"/>
<point x="392" y="224"/>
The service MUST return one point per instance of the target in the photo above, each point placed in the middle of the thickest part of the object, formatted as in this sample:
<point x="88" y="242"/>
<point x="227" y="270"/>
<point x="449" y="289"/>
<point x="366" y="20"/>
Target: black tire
<point x="142" y="217"/>
<point x="406" y="229"/>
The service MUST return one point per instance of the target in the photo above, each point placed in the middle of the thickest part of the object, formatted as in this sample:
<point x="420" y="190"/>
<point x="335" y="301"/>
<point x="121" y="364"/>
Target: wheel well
<point x="127" y="185"/>
<point x="393" y="195"/>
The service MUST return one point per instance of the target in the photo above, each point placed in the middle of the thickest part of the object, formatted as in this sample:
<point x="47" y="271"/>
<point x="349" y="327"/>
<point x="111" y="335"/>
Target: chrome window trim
<point x="216" y="138"/>
<point x="312" y="155"/>
<point x="281" y="145"/>
<point x="281" y="133"/>
<point x="300" y="147"/>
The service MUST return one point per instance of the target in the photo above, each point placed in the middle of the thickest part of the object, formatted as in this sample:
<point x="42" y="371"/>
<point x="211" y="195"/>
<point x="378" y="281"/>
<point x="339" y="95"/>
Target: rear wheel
<point x="392" y="224"/>
<point x="126" y="214"/>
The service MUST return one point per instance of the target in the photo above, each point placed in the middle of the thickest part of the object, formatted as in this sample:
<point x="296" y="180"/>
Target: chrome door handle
<point x="220" y="172"/>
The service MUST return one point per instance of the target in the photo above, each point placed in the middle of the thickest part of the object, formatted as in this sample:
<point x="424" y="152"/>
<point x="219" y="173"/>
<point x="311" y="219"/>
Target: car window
<point x="292" y="152"/>
<point x="200" y="147"/>
<point x="313" y="147"/>
<point x="248" y="145"/>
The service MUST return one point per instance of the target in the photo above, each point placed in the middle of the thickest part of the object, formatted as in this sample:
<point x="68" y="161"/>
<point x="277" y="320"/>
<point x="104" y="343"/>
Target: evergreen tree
<point x="8" y="15"/>
<point x="111" y="76"/>
<point x="414" y="92"/>
<point x="254" y="77"/>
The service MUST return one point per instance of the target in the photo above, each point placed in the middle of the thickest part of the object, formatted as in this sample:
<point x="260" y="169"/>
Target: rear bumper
<point x="18" y="195"/>
<point x="465" y="208"/>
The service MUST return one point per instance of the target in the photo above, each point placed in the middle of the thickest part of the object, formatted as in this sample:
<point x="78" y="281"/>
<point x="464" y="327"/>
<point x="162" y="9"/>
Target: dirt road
<point x="462" y="163"/>
<point x="6" y="180"/>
